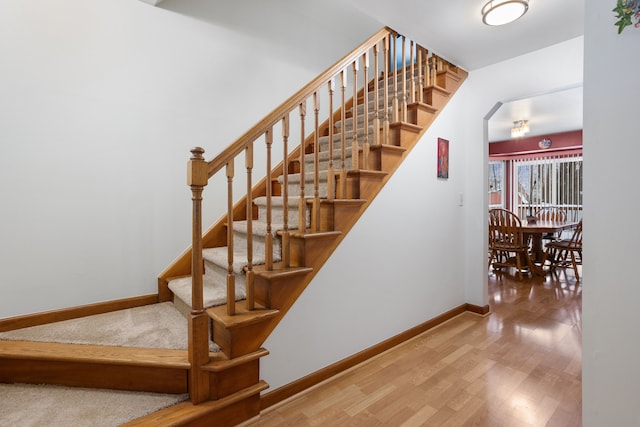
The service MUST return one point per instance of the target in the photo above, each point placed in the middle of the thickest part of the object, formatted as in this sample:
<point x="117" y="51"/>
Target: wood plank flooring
<point x="519" y="366"/>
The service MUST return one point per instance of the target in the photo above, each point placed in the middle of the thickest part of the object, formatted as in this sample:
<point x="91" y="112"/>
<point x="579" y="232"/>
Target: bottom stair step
<point x="27" y="405"/>
<point x="94" y="366"/>
<point x="226" y="412"/>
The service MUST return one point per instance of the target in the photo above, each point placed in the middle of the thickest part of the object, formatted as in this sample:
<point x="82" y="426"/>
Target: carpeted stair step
<point x="277" y="211"/>
<point x="323" y="159"/>
<point x="214" y="291"/>
<point x="94" y="366"/>
<point x="309" y="186"/>
<point x="323" y="141"/>
<point x="258" y="232"/>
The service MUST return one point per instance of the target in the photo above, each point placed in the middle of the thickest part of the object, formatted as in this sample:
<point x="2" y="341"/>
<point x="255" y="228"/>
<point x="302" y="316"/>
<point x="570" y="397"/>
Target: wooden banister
<point x="386" y="86"/>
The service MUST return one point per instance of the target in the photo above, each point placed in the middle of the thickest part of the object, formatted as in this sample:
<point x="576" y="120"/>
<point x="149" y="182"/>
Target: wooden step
<point x="450" y="79"/>
<point x="276" y="289"/>
<point x="310" y="249"/>
<point x="421" y="114"/>
<point x="405" y="134"/>
<point x="241" y="333"/>
<point x="228" y="376"/>
<point x="385" y="157"/>
<point x="340" y="214"/>
<point x="94" y="366"/>
<point x="226" y="412"/>
<point x="436" y="96"/>
<point x="360" y="184"/>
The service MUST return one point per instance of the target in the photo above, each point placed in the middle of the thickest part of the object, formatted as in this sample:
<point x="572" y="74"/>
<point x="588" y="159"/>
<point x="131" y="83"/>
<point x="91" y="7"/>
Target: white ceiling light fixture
<point x="500" y="12"/>
<point x="520" y="128"/>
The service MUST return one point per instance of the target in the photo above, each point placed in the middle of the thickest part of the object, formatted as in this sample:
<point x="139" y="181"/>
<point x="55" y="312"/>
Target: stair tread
<point x="308" y="177"/>
<point x="259" y="227"/>
<point x="388" y="147"/>
<point x="276" y="201"/>
<point x="424" y="106"/>
<point x="437" y="88"/>
<point x="213" y="293"/>
<point x="223" y="362"/>
<point x="281" y="271"/>
<point x="363" y="172"/>
<point x="219" y="256"/>
<point x="242" y="317"/>
<point x="89" y="353"/>
<point x="184" y="412"/>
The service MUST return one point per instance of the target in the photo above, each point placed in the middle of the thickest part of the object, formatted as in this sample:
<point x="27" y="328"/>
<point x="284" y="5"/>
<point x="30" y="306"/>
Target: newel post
<point x="197" y="179"/>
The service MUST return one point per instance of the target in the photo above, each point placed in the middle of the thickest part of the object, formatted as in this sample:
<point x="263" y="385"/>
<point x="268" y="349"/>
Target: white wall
<point x="101" y="102"/>
<point x="611" y="351"/>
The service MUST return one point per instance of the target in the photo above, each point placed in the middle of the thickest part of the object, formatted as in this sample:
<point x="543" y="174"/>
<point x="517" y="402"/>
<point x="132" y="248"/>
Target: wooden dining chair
<point x="551" y="213"/>
<point x="565" y="253"/>
<point x="507" y="246"/>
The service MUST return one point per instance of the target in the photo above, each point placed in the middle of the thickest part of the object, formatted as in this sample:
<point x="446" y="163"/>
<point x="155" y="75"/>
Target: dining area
<point x="538" y="244"/>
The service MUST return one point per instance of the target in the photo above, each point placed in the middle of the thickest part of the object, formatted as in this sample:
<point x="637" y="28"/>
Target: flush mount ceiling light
<point x="520" y="128"/>
<point x="500" y="12"/>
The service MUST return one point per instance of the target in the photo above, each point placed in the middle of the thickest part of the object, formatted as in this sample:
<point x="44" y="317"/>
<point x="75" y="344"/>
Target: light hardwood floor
<point x="519" y="366"/>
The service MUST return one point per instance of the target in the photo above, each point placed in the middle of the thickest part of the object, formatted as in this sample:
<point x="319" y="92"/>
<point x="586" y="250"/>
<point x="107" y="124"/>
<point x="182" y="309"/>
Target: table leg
<point x="536" y="246"/>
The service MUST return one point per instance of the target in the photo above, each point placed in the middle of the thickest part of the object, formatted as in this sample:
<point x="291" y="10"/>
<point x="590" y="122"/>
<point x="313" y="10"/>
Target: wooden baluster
<point x="427" y="70"/>
<point x="268" y="238"/>
<point x="286" y="258"/>
<point x="385" y="95"/>
<point x="404" y="80"/>
<point x="355" y="150"/>
<point x="249" y="270"/>
<point x="302" y="204"/>
<point x="365" y="143"/>
<point x="433" y="69"/>
<point x="440" y="64"/>
<point x="331" y="180"/>
<point x="376" y="96"/>
<point x="231" y="278"/>
<point x="394" y="101"/>
<point x="198" y="325"/>
<point x="315" y="209"/>
<point x="412" y="88"/>
<point x="343" y="139"/>
<point x="420" y="77"/>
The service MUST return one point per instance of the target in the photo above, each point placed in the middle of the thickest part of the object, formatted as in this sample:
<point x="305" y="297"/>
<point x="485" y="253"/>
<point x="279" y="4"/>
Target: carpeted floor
<point x="151" y="326"/>
<point x="53" y="406"/>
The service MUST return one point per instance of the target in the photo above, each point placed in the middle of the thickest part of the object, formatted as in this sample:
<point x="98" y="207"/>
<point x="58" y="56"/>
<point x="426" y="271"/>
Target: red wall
<point x="565" y="141"/>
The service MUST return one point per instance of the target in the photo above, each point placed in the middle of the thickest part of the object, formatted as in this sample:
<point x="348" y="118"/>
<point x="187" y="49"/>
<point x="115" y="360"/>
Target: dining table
<point x="541" y="227"/>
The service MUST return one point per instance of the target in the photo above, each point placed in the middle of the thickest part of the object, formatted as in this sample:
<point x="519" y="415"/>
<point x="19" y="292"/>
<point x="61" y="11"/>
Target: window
<point x="553" y="181"/>
<point x="496" y="184"/>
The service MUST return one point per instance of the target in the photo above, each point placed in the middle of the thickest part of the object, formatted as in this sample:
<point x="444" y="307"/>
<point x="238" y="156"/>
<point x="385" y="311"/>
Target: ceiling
<point x="455" y="27"/>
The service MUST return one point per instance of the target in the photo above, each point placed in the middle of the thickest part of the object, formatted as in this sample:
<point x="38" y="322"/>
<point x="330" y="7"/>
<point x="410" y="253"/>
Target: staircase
<point x="242" y="276"/>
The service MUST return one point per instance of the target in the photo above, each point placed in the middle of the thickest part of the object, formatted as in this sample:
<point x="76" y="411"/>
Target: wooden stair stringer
<point x="311" y="250"/>
<point x="280" y="288"/>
